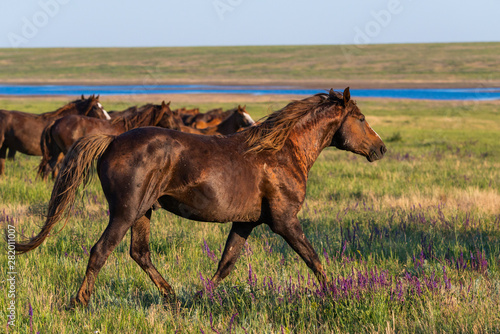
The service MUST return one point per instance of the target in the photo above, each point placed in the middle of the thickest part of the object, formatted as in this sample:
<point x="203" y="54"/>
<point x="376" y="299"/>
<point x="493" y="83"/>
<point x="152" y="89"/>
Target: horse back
<point x="199" y="177"/>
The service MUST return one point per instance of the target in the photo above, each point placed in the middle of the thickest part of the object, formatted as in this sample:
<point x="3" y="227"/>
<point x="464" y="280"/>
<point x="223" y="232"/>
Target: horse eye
<point x="362" y="119"/>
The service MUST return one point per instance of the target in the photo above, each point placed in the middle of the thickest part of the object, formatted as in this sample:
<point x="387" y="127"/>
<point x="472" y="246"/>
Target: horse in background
<point x="21" y="131"/>
<point x="210" y="118"/>
<point x="58" y="137"/>
<point x="238" y="119"/>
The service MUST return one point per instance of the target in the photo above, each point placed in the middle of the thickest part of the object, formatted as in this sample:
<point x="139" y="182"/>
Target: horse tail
<point x="77" y="169"/>
<point x="46" y="143"/>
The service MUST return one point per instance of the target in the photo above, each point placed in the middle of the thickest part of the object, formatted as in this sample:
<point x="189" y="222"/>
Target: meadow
<point x="408" y="65"/>
<point x="410" y="243"/>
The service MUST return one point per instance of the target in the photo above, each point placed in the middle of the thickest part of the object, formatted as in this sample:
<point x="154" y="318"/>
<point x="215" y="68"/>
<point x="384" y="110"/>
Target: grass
<point x="426" y="65"/>
<point x="410" y="242"/>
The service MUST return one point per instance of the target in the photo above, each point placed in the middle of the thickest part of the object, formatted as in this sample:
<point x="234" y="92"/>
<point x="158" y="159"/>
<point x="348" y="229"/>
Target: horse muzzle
<point x="376" y="154"/>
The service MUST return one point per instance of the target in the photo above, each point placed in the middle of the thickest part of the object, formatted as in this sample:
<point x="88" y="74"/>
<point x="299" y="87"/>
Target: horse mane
<point x="272" y="132"/>
<point x="61" y="111"/>
<point x="146" y="115"/>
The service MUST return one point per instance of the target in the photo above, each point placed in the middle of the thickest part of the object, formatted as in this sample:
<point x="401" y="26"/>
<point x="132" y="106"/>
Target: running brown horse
<point x="20" y="131"/>
<point x="58" y="137"/>
<point x="253" y="177"/>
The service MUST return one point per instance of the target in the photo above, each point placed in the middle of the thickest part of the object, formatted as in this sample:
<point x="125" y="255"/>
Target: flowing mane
<point x="149" y="114"/>
<point x="271" y="134"/>
<point x="62" y="111"/>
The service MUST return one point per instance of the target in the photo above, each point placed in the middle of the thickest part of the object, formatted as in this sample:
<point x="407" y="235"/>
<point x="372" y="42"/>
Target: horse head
<point x="244" y="119"/>
<point x="91" y="107"/>
<point x="355" y="134"/>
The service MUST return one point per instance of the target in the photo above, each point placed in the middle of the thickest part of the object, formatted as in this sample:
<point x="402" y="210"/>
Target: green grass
<point x="404" y="220"/>
<point x="460" y="64"/>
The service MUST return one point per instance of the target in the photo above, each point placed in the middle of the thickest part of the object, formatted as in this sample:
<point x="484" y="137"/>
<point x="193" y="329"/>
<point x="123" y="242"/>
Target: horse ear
<point x="163" y="103"/>
<point x="83" y="97"/>
<point x="331" y="94"/>
<point x="240" y="109"/>
<point x="97" y="98"/>
<point x="347" y="96"/>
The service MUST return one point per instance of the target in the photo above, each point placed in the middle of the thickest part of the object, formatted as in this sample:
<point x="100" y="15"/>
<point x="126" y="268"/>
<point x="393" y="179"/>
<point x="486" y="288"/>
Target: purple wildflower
<point x="212" y="324"/>
<point x="30" y="311"/>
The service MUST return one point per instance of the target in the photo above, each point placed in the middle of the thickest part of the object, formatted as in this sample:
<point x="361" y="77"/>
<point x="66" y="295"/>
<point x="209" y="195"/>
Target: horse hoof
<point x="73" y="304"/>
<point x="170" y="303"/>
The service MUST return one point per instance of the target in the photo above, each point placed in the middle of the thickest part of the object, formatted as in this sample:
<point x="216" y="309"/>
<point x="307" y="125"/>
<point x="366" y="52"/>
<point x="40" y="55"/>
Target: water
<point x="431" y="93"/>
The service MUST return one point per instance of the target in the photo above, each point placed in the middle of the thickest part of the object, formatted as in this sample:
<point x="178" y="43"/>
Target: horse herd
<point x="250" y="177"/>
<point x="51" y="134"/>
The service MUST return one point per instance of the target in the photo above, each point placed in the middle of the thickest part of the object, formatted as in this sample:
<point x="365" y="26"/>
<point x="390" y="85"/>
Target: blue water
<point x="431" y="94"/>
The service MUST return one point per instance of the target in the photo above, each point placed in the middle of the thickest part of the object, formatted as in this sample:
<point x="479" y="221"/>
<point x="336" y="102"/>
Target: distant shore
<point x="452" y="65"/>
<point x="307" y="84"/>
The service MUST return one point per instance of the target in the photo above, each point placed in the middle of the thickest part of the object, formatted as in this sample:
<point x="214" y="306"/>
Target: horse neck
<point x="229" y="124"/>
<point x="310" y="138"/>
<point x="69" y="109"/>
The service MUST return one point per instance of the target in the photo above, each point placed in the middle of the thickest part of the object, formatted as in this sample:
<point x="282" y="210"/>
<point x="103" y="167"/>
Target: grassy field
<point x="410" y="243"/>
<point x="410" y="65"/>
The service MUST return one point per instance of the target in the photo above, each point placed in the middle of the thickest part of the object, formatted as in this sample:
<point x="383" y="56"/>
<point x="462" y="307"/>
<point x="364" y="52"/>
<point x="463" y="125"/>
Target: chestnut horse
<point x="20" y="131"/>
<point x="253" y="177"/>
<point x="210" y="118"/>
<point x="58" y="137"/>
<point x="238" y="119"/>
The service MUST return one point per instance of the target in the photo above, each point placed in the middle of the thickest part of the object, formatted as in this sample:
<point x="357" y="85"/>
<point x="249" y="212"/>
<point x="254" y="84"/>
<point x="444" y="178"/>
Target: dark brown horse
<point x="185" y="113"/>
<point x="253" y="177"/>
<point x="124" y="113"/>
<point x="58" y="137"/>
<point x="210" y="118"/>
<point x="238" y="119"/>
<point x="20" y="131"/>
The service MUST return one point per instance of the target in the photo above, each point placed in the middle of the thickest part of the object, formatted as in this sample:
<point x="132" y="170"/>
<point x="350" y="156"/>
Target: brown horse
<point x="58" y="137"/>
<point x="253" y="177"/>
<point x="210" y="118"/>
<point x="185" y="113"/>
<point x="124" y="113"/>
<point x="238" y="121"/>
<point x="20" y="131"/>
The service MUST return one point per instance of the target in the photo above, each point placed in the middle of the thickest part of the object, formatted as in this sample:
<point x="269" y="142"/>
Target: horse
<point x="185" y="113"/>
<point x="20" y="131"/>
<point x="124" y="113"/>
<point x="209" y="119"/>
<point x="238" y="119"/>
<point x="257" y="176"/>
<point x="58" y="137"/>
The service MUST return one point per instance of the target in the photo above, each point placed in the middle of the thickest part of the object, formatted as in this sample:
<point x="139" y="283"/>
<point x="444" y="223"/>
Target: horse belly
<point x="26" y="144"/>
<point x="212" y="206"/>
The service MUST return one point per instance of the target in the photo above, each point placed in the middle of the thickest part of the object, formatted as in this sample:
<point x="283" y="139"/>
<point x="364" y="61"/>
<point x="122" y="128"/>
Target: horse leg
<point x="113" y="234"/>
<point x="292" y="232"/>
<point x="12" y="154"/>
<point x="139" y="251"/>
<point x="3" y="153"/>
<point x="235" y="241"/>
<point x="55" y="165"/>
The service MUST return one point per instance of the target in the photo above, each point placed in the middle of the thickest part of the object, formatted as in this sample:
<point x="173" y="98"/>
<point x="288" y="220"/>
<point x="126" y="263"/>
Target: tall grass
<point x="409" y="243"/>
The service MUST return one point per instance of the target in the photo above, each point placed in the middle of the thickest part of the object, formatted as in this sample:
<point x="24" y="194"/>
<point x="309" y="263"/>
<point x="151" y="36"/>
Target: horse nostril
<point x="383" y="149"/>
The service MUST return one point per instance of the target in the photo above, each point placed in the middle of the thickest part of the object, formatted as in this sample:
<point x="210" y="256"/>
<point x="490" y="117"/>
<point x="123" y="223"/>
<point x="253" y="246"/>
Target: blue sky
<point x="107" y="23"/>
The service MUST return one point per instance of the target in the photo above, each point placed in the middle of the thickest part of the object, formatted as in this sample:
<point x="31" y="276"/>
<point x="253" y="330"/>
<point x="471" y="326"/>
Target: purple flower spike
<point x="85" y="250"/>
<point x="30" y="311"/>
<point x="231" y="322"/>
